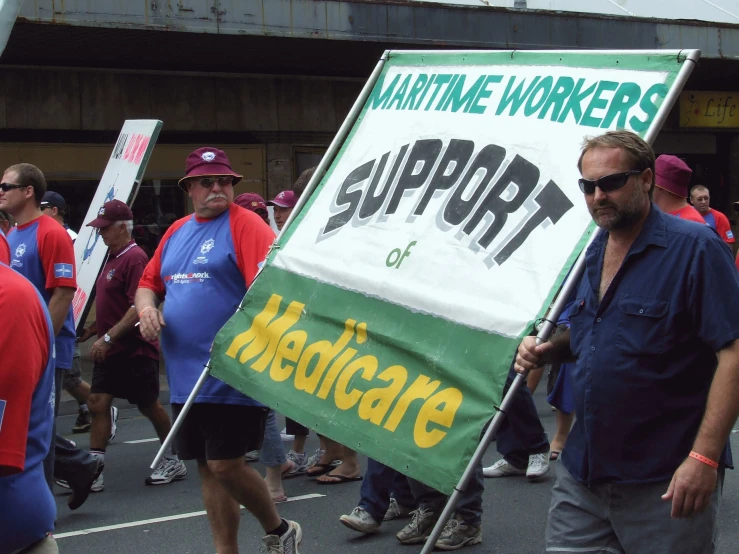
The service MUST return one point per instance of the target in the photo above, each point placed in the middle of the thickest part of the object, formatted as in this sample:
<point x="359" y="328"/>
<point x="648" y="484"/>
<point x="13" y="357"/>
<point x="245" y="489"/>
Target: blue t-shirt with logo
<point x="42" y="252"/>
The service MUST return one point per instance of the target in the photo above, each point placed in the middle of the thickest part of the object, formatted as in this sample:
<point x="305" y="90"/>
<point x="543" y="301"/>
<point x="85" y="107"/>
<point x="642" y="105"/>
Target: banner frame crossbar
<point x="549" y="323"/>
<point x="327" y="159"/>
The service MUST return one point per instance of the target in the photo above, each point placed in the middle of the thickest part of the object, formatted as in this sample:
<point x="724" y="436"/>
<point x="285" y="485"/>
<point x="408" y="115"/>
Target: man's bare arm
<point x="722" y="408"/>
<point x="124" y="326"/>
<point x="61" y="300"/>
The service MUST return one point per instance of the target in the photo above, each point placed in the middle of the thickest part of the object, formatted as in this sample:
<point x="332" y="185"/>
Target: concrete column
<point x="279" y="168"/>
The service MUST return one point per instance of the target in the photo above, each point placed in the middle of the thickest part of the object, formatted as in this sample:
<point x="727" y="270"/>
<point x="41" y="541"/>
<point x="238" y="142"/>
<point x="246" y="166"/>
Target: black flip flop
<point x="341" y="480"/>
<point x="325" y="468"/>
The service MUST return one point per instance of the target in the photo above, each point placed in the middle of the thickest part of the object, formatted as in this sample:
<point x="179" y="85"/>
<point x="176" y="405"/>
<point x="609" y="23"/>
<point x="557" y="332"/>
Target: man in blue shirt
<point x="656" y="377"/>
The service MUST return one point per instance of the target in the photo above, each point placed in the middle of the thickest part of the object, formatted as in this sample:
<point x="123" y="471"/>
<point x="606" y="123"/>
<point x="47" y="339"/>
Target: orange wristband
<point x="702" y="458"/>
<point x="142" y="312"/>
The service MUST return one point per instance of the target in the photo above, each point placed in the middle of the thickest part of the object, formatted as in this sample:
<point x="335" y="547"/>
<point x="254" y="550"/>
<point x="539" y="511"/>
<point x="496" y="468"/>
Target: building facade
<point x="270" y="81"/>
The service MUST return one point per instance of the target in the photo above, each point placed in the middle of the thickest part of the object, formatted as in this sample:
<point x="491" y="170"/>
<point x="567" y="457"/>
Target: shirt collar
<point x="125" y="249"/>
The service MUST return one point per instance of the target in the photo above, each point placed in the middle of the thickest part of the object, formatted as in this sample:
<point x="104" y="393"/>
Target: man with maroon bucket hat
<point x="203" y="268"/>
<point x="283" y="205"/>
<point x="126" y="364"/>
<point x="672" y="177"/>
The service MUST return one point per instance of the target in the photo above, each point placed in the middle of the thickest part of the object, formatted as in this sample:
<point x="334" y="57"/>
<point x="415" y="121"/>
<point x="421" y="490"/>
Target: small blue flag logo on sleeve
<point x="62" y="271"/>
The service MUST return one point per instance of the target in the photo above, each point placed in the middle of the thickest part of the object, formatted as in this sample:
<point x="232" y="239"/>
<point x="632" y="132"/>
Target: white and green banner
<point x="387" y="316"/>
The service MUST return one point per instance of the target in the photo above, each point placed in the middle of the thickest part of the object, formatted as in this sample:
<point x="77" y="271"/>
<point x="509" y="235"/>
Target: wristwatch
<point x="107" y="339"/>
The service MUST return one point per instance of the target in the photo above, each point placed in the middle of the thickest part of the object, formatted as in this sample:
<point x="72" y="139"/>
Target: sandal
<point x="323" y="469"/>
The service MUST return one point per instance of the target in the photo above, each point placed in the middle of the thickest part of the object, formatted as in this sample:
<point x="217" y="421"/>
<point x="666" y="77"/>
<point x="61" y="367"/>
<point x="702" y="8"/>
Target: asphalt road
<point x="129" y="517"/>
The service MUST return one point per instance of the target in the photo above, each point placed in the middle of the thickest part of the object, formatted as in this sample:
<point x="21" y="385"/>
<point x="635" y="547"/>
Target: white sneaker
<point x="289" y="543"/>
<point x="98" y="484"/>
<point x="113" y="425"/>
<point x="360" y="520"/>
<point x="252" y="456"/>
<point x="168" y="470"/>
<point x="538" y="465"/>
<point x="502" y="468"/>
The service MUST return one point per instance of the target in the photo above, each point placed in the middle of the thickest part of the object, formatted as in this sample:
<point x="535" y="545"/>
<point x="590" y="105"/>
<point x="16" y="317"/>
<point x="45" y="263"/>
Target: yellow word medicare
<point x="270" y="344"/>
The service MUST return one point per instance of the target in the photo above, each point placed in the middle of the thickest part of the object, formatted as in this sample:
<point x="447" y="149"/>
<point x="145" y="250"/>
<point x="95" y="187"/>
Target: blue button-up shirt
<point x="647" y="351"/>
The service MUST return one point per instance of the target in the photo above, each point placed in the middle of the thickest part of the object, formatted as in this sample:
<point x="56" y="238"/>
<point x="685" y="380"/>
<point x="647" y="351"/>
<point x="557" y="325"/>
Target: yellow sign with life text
<point x="709" y="109"/>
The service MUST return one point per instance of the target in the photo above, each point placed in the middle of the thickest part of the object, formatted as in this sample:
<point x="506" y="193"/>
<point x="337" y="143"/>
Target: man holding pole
<point x="202" y="268"/>
<point x="656" y="377"/>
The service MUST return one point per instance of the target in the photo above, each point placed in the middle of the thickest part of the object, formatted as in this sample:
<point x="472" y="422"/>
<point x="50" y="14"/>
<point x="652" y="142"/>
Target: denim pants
<point x="64" y="460"/>
<point x="379" y="484"/>
<point x="469" y="507"/>
<point x="272" y="453"/>
<point x="521" y="432"/>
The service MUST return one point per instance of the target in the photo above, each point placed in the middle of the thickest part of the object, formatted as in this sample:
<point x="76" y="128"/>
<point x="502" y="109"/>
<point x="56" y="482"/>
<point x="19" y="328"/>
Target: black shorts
<point x="134" y="378"/>
<point x="219" y="431"/>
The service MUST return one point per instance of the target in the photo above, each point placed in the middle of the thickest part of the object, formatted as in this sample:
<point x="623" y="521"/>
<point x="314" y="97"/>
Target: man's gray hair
<point x="128" y="224"/>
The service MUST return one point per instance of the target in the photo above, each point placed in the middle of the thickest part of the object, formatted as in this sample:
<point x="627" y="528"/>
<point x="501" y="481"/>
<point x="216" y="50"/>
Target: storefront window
<point x="158" y="204"/>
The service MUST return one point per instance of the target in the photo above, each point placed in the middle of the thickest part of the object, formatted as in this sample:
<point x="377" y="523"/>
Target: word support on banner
<point x="389" y="313"/>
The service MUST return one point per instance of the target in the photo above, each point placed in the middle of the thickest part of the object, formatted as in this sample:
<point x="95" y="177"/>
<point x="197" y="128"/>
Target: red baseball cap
<point x="286" y="199"/>
<point x="112" y="211"/>
<point x="672" y="175"/>
<point x="208" y="161"/>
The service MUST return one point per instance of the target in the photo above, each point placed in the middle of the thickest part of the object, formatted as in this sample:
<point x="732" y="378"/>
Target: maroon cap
<point x="208" y="161"/>
<point x="286" y="199"/>
<point x="251" y="201"/>
<point x="672" y="175"/>
<point x="112" y="211"/>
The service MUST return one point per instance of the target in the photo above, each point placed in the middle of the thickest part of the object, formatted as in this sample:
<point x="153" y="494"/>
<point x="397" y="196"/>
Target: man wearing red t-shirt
<point x="126" y="364"/>
<point x="42" y="252"/>
<point x="202" y="269"/>
<point x="672" y="177"/>
<point x="700" y="197"/>
<point x="27" y="508"/>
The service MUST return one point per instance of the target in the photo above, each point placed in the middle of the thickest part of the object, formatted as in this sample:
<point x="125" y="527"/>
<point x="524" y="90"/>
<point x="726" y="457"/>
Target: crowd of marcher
<point x="645" y="361"/>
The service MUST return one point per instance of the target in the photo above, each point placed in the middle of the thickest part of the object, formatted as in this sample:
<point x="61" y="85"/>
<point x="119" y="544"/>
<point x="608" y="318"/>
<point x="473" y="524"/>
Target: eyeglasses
<point x="5" y="187"/>
<point x="609" y="183"/>
<point x="208" y="182"/>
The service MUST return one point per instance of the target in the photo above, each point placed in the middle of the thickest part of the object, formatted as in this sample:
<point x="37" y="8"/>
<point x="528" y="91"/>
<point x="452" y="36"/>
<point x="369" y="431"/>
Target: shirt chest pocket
<point x="643" y="325"/>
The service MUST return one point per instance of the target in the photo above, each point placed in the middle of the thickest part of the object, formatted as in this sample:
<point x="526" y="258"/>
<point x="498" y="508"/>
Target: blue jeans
<point x="469" y="507"/>
<point x="521" y="433"/>
<point x="379" y="484"/>
<point x="272" y="453"/>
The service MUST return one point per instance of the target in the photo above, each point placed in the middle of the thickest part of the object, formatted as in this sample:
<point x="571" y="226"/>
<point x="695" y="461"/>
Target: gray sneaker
<point x="538" y="466"/>
<point x="360" y="520"/>
<point x="289" y="543"/>
<point x="396" y="511"/>
<point x="300" y="464"/>
<point x="420" y="527"/>
<point x="457" y="534"/>
<point x="315" y="458"/>
<point x="168" y="470"/>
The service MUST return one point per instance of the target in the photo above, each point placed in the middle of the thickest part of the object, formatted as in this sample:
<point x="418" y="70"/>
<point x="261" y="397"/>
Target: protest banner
<point x="390" y="309"/>
<point x="120" y="181"/>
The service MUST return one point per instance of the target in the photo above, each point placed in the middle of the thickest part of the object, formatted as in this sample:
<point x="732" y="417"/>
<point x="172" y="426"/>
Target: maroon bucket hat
<point x="208" y="161"/>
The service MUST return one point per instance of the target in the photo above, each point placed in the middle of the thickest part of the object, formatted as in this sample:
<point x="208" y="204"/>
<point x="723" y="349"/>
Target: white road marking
<point x="158" y="520"/>
<point x="140" y="441"/>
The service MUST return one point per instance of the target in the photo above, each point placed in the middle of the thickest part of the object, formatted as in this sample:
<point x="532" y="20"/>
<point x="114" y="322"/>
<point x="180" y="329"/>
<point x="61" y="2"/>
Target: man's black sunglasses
<point x="609" y="183"/>
<point x="5" y="187"/>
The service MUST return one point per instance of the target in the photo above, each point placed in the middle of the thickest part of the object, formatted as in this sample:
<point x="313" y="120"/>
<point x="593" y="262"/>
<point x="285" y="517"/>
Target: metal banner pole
<point x="166" y="445"/>
<point x="338" y="141"/>
<point x="549" y="323"/>
<point x="315" y="179"/>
